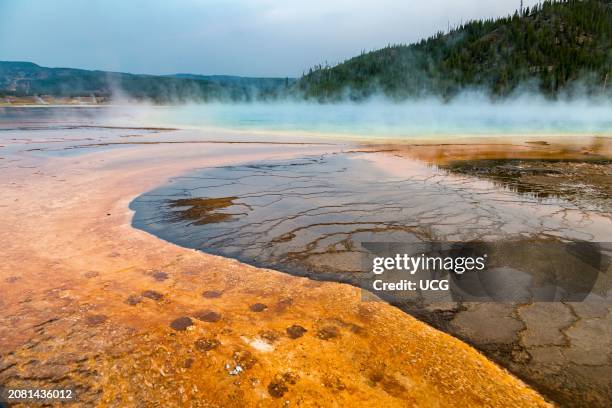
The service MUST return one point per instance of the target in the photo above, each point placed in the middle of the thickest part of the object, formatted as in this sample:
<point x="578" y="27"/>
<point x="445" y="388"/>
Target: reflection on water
<point x="308" y="215"/>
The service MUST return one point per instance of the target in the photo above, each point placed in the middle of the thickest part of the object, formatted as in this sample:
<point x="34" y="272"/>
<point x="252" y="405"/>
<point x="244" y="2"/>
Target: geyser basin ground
<point x="92" y="304"/>
<point x="89" y="302"/>
<point x="308" y="216"/>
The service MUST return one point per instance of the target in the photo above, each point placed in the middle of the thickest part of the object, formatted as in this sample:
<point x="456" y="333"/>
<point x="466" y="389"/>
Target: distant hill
<point x="29" y="79"/>
<point x="228" y="80"/>
<point x="555" y="47"/>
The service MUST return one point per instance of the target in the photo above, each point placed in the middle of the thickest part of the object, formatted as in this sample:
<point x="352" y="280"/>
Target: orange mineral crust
<point x="125" y="319"/>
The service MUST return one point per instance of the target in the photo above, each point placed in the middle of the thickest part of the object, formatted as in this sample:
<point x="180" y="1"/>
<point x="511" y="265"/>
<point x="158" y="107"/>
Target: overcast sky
<point x="241" y="37"/>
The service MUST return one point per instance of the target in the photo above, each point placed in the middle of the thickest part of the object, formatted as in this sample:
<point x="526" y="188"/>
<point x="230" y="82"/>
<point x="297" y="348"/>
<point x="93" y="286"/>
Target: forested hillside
<point x="557" y="47"/>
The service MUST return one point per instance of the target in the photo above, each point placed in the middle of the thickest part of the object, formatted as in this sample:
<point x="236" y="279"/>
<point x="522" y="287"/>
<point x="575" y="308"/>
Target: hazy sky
<point x="241" y="37"/>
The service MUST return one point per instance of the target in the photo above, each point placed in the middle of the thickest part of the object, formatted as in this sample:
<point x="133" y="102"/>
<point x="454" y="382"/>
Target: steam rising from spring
<point x="467" y="115"/>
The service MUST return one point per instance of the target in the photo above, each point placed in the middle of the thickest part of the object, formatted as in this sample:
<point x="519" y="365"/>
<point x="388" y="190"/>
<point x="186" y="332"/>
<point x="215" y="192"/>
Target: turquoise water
<point x="407" y="120"/>
<point x="468" y="116"/>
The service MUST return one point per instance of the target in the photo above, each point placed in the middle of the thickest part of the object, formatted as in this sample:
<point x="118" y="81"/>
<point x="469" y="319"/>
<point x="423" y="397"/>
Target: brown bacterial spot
<point x="188" y="363"/>
<point x="295" y="331"/>
<point x="269" y="336"/>
<point x="182" y="323"/>
<point x="258" y="307"/>
<point x="392" y="386"/>
<point x="201" y="210"/>
<point x="159" y="276"/>
<point x="152" y="294"/>
<point x="245" y="359"/>
<point x="207" y="316"/>
<point x="91" y="274"/>
<point x="93" y="320"/>
<point x="376" y="376"/>
<point x="277" y="388"/>
<point x="366" y="312"/>
<point x="291" y="377"/>
<point x="328" y="333"/>
<point x="211" y="294"/>
<point x="284" y="303"/>
<point x="334" y="383"/>
<point x="207" y="344"/>
<point x="133" y="300"/>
